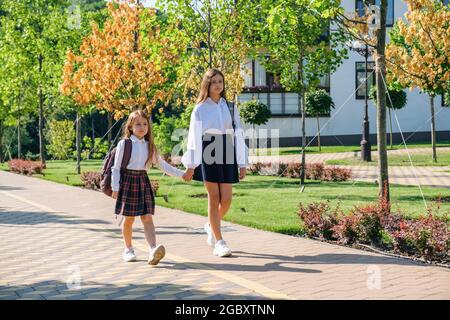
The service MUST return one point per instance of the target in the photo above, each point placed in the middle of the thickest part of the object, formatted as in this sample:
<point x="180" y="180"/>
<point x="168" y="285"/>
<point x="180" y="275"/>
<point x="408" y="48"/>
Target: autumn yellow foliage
<point x="419" y="53"/>
<point x="113" y="70"/>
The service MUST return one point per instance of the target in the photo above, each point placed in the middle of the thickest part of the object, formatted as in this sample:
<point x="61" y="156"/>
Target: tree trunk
<point x="92" y="127"/>
<point x="78" y="142"/>
<point x="318" y="134"/>
<point x="109" y="115"/>
<point x="390" y="128"/>
<point x="303" y="111"/>
<point x="19" y="140"/>
<point x="302" y="172"/>
<point x="1" y="142"/>
<point x="41" y="115"/>
<point x="380" y="64"/>
<point x="433" y="129"/>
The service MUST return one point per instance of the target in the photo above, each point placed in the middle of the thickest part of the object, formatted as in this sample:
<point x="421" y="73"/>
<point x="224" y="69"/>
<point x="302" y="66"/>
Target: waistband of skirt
<point x="134" y="172"/>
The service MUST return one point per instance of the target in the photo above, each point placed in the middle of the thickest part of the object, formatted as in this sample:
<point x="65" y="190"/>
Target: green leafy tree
<point x="61" y="136"/>
<point x="299" y="47"/>
<point x="255" y="113"/>
<point x="318" y="103"/>
<point x="396" y="99"/>
<point x="211" y="34"/>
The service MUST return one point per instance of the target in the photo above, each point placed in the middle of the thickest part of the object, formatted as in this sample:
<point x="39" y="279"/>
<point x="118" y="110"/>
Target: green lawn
<point x="333" y="149"/>
<point x="264" y="202"/>
<point x="419" y="159"/>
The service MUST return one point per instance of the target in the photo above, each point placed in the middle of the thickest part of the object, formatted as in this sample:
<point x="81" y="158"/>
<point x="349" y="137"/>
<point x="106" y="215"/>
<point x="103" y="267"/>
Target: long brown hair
<point x="128" y="131"/>
<point x="206" y="83"/>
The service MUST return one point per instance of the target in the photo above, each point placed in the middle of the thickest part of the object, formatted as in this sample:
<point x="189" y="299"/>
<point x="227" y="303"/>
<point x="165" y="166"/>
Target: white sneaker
<point x="156" y="255"/>
<point x="129" y="255"/>
<point x="221" y="249"/>
<point x="210" y="240"/>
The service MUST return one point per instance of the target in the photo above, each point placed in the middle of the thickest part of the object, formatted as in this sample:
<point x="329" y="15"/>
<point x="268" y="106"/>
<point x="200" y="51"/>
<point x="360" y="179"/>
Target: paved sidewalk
<point x="61" y="242"/>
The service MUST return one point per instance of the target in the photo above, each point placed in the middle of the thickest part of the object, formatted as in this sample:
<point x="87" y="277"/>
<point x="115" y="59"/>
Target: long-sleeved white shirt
<point x="213" y="118"/>
<point x="139" y="154"/>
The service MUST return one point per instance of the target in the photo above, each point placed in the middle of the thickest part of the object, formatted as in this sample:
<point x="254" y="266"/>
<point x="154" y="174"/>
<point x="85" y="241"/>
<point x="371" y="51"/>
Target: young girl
<point x="131" y="187"/>
<point x="215" y="153"/>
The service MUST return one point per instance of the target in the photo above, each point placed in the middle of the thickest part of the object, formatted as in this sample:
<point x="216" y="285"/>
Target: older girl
<point x="216" y="153"/>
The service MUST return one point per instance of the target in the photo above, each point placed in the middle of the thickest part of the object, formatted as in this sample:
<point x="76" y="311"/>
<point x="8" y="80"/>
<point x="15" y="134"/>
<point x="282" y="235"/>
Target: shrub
<point x="429" y="236"/>
<point x="345" y="230"/>
<point x="318" y="219"/>
<point x="314" y="171"/>
<point x="336" y="174"/>
<point x="91" y="179"/>
<point x="26" y="167"/>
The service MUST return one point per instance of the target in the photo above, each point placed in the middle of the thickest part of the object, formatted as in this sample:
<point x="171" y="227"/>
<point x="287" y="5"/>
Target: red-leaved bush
<point x="428" y="235"/>
<point x="318" y="219"/>
<point x="375" y="224"/>
<point x="26" y="167"/>
<point x="91" y="179"/>
<point x="313" y="171"/>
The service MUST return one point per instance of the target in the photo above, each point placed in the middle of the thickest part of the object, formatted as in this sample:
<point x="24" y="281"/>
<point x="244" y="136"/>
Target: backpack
<point x="105" y="183"/>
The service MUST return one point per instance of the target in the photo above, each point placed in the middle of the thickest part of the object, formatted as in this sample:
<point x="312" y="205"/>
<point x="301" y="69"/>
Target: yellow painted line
<point x="252" y="285"/>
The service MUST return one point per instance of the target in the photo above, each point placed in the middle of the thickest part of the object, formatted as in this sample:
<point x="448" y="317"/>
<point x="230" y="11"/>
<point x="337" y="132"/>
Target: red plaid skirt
<point x="135" y="196"/>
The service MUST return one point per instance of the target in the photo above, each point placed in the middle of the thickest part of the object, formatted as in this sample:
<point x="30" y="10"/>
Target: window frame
<point x="391" y="9"/>
<point x="362" y="97"/>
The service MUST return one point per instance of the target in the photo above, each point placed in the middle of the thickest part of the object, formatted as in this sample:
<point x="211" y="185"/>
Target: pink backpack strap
<point x="126" y="154"/>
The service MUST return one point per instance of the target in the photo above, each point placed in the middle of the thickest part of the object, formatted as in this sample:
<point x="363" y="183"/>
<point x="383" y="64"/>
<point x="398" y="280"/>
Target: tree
<point x="300" y="47"/>
<point x="419" y="52"/>
<point x="255" y="113"/>
<point x="213" y="34"/>
<point x="116" y="70"/>
<point x="396" y="99"/>
<point x="61" y="137"/>
<point x="370" y="28"/>
<point x="38" y="35"/>
<point x="318" y="103"/>
<point x="121" y="66"/>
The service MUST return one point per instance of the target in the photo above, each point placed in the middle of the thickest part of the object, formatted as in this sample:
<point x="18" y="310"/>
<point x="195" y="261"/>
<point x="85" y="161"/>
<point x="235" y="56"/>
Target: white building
<point x="344" y="125"/>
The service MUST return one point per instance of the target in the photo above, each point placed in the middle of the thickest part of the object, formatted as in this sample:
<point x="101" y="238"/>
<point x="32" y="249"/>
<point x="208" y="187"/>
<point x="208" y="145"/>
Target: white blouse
<point x="139" y="154"/>
<point x="213" y="118"/>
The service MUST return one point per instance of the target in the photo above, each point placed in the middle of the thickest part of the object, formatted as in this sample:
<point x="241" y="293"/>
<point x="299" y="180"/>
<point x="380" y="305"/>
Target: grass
<point x="264" y="202"/>
<point x="337" y="149"/>
<point x="418" y="159"/>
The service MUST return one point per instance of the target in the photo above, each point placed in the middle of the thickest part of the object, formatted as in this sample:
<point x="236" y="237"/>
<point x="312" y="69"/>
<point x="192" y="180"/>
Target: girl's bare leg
<point x="226" y="194"/>
<point x="213" y="208"/>
<point x="127" y="231"/>
<point x="149" y="230"/>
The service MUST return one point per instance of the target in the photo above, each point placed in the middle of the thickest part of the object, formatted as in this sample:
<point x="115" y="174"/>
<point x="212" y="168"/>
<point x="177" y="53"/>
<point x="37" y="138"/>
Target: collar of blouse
<point x="213" y="102"/>
<point x="136" y="139"/>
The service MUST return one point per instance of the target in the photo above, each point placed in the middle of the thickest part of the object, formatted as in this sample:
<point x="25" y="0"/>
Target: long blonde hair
<point x="206" y="83"/>
<point x="128" y="131"/>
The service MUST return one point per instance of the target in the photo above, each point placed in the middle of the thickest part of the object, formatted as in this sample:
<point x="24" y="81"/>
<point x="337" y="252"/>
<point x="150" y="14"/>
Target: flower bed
<point x="26" y="167"/>
<point x="426" y="237"/>
<point x="313" y="171"/>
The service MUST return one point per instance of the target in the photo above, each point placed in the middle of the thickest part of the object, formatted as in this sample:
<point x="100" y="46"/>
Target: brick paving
<point x="62" y="242"/>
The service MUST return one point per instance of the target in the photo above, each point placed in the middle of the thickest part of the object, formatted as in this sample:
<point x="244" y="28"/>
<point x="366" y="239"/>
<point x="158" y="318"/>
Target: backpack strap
<point x="126" y="154"/>
<point x="231" y="109"/>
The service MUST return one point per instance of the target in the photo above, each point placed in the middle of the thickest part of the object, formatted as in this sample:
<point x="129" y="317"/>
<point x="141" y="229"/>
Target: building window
<point x="361" y="76"/>
<point x="361" y="10"/>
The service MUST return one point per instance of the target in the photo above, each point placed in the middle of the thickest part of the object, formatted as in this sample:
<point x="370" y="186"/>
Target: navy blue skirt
<point x="219" y="160"/>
